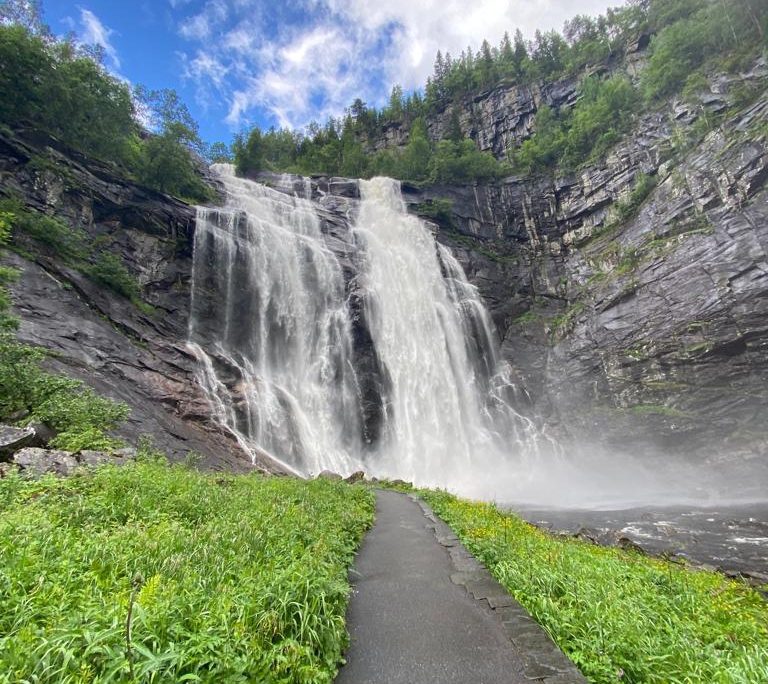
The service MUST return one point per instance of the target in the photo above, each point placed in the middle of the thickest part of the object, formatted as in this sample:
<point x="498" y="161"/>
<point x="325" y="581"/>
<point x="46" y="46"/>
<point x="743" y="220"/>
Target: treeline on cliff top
<point x="60" y="87"/>
<point x="687" y="37"/>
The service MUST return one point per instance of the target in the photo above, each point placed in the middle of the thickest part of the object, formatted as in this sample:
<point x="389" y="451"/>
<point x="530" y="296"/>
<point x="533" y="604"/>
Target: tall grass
<point x="620" y="616"/>
<point x="153" y="573"/>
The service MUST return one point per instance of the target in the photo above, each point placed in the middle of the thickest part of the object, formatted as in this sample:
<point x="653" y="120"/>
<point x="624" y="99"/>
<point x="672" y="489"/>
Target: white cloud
<point x="342" y="49"/>
<point x="452" y="25"/>
<point x="201" y="26"/>
<point x="208" y="73"/>
<point x="300" y="79"/>
<point x="93" y="32"/>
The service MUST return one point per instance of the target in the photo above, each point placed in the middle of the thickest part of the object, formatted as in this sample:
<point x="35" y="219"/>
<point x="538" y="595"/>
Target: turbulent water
<point x="289" y="362"/>
<point x="728" y="536"/>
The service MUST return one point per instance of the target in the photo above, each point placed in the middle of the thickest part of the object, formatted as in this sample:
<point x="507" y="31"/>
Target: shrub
<point x="461" y="162"/>
<point x="81" y="417"/>
<point x="441" y="210"/>
<point x="108" y="269"/>
<point x="602" y="114"/>
<point x="60" y="88"/>
<point x="68" y="242"/>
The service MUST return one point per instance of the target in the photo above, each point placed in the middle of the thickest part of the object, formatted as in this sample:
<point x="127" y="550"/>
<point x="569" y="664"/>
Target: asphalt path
<point x="409" y="622"/>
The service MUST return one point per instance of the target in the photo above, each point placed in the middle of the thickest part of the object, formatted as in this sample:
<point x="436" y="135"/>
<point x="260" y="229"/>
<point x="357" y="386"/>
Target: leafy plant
<point x="63" y="89"/>
<point x="81" y="417"/>
<point x="69" y="243"/>
<point x="225" y="578"/>
<point x="109" y="270"/>
<point x="441" y="210"/>
<point x="586" y="132"/>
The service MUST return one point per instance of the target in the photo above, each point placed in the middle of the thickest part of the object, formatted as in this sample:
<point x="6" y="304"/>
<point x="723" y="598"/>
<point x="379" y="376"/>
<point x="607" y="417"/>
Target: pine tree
<point x="506" y="51"/>
<point x="486" y="66"/>
<point x="454" y="132"/>
<point x="521" y="53"/>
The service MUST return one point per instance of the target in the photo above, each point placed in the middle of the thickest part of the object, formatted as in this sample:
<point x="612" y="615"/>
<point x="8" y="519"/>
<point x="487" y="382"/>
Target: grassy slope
<point x="621" y="616"/>
<point x="229" y="579"/>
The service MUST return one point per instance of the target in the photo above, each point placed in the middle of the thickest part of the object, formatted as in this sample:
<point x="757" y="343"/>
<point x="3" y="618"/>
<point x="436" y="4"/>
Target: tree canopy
<point x="61" y="88"/>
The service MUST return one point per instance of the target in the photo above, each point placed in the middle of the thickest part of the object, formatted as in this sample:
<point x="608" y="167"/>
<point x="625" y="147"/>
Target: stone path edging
<point x="543" y="660"/>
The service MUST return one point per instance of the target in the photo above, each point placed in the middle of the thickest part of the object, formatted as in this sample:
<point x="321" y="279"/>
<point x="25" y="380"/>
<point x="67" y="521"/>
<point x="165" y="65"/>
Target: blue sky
<point x="242" y="62"/>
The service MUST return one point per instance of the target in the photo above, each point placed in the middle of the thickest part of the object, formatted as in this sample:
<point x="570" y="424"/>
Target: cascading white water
<point x="447" y="414"/>
<point x="274" y="328"/>
<point x="434" y="414"/>
<point x="270" y="325"/>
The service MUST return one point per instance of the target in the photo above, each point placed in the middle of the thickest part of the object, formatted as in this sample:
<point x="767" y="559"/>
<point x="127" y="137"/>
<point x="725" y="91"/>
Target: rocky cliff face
<point x="631" y="298"/>
<point x="500" y="118"/>
<point x="96" y="335"/>
<point x="638" y="322"/>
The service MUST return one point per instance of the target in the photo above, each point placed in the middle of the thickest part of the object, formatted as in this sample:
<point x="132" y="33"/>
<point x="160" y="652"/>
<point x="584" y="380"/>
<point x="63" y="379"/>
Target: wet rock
<point x="357" y="476"/>
<point x="629" y="545"/>
<point x="588" y="534"/>
<point x="14" y="438"/>
<point x="329" y="475"/>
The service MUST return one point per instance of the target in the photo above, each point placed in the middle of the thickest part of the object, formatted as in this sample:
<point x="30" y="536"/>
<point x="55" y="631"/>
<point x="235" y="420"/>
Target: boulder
<point x="127" y="453"/>
<point x="328" y="475"/>
<point x="44" y="433"/>
<point x="357" y="476"/>
<point x="14" y="438"/>
<point x="95" y="458"/>
<point x="35" y="462"/>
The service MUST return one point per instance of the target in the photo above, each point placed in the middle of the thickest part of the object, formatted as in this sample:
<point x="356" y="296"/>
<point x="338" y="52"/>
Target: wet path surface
<point x="423" y="610"/>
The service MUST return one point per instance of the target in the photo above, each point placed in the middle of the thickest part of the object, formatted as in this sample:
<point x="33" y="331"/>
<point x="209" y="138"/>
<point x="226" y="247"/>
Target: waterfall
<point x="434" y="413"/>
<point x="270" y="324"/>
<point x="392" y="368"/>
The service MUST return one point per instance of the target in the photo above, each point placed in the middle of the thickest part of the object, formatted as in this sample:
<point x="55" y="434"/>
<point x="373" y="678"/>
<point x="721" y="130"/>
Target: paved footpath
<point x="424" y="611"/>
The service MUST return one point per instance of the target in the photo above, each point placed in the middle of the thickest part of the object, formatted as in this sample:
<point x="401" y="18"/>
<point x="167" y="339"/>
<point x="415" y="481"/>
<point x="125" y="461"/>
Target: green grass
<point x="619" y="615"/>
<point x="225" y="578"/>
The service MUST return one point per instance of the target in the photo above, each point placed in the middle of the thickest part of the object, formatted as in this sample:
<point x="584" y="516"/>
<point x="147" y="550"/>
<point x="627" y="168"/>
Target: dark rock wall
<point x="646" y="333"/>
<point x="95" y="334"/>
